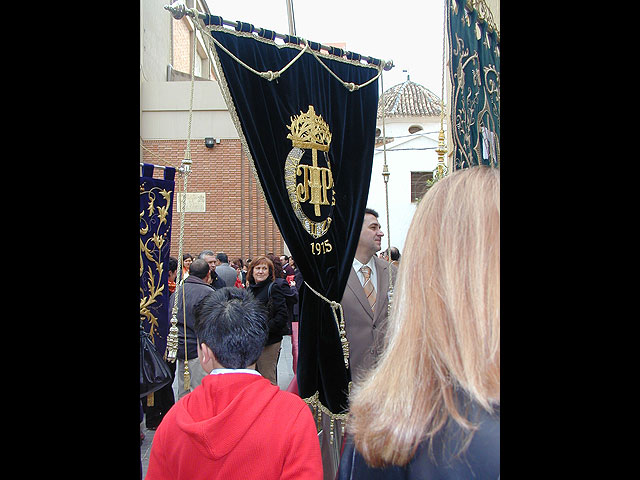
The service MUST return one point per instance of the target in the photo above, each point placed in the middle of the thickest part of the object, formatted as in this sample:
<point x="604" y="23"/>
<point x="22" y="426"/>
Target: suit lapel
<point x="382" y="271"/>
<point x="353" y="283"/>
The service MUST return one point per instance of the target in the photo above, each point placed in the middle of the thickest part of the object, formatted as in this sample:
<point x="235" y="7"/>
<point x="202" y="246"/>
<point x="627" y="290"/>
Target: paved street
<point x="285" y="375"/>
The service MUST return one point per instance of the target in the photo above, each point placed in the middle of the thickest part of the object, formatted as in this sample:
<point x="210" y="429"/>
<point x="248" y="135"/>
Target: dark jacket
<point x="288" y="270"/>
<point x="277" y="313"/>
<point x="217" y="283"/>
<point x="195" y="289"/>
<point x="481" y="460"/>
<point x="299" y="284"/>
<point x="291" y="297"/>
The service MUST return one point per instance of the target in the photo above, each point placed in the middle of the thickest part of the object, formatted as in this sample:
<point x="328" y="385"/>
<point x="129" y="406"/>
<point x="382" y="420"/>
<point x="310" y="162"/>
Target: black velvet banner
<point x="156" y="201"/>
<point x="311" y="141"/>
<point x="475" y="64"/>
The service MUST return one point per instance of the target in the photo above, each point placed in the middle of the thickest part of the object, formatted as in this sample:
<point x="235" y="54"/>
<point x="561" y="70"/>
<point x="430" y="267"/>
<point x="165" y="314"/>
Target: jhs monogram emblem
<point x="309" y="181"/>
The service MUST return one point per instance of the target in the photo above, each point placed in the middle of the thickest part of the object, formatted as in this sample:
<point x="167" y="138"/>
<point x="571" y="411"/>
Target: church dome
<point x="409" y="99"/>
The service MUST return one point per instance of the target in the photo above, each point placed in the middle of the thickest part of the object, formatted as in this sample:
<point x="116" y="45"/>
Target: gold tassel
<point x="345" y="345"/>
<point x="150" y="400"/>
<point x="172" y="339"/>
<point x="318" y="417"/>
<point x="187" y="377"/>
<point x="331" y="425"/>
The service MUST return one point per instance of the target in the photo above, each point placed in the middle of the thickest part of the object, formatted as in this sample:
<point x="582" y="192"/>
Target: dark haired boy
<point x="235" y="424"/>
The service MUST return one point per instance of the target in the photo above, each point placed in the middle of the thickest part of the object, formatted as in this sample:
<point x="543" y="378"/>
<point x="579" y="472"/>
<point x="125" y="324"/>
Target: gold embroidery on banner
<point x="226" y="94"/>
<point x="151" y="248"/>
<point x="484" y="14"/>
<point x="310" y="131"/>
<point x="475" y="107"/>
<point x="475" y="96"/>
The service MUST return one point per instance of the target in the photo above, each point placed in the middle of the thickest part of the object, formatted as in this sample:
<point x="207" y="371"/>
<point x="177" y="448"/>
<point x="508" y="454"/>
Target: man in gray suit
<point x="224" y="270"/>
<point x="365" y="303"/>
<point x="365" y="300"/>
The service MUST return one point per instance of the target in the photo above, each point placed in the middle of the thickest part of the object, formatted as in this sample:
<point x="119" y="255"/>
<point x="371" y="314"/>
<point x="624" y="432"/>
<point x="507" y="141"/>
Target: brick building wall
<point x="182" y="46"/>
<point x="237" y="220"/>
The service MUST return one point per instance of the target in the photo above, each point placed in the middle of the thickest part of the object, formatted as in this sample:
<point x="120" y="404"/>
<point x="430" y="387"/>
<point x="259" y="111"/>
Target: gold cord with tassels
<point x="337" y="307"/>
<point x="185" y="170"/>
<point x="271" y="75"/>
<point x="187" y="155"/>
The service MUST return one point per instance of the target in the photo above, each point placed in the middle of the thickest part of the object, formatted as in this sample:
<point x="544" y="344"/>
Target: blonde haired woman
<point x="430" y="409"/>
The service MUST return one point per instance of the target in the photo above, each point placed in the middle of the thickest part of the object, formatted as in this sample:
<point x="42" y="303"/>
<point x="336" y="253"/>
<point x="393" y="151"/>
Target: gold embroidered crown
<point x="309" y="130"/>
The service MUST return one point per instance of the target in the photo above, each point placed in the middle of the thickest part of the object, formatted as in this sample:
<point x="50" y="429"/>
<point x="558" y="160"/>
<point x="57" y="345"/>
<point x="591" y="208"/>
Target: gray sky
<point x="409" y="32"/>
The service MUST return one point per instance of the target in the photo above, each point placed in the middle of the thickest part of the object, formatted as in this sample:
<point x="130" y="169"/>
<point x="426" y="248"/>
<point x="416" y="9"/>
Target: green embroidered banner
<point x="474" y="48"/>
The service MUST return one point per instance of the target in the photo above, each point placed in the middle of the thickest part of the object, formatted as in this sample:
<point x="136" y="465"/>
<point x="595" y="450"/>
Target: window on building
<point x="415" y="128"/>
<point x="419" y="185"/>
<point x="197" y="70"/>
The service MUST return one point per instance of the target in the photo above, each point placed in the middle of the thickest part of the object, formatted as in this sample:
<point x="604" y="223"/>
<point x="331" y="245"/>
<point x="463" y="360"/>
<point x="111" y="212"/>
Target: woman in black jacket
<point x="261" y="277"/>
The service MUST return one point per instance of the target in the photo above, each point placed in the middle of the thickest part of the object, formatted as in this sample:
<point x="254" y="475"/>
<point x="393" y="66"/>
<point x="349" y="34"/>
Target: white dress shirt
<point x="220" y="371"/>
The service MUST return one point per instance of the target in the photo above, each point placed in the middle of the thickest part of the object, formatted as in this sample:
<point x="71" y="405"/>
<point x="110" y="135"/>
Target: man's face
<point x="283" y="260"/>
<point x="371" y="235"/>
<point x="211" y="260"/>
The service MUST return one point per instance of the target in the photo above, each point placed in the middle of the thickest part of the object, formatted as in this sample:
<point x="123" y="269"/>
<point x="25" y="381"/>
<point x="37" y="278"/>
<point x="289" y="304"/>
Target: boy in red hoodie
<point x="235" y="424"/>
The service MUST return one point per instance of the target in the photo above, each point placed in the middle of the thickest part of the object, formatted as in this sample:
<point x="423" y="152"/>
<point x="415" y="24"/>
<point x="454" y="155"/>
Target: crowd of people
<point x="434" y="355"/>
<point x="271" y="279"/>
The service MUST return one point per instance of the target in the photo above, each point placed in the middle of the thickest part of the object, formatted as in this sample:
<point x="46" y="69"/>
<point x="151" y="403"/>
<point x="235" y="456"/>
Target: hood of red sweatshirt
<point x="220" y="411"/>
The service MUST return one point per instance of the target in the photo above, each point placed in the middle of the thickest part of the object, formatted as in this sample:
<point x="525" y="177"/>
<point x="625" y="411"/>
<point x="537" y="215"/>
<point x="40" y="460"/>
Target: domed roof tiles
<point x="409" y="99"/>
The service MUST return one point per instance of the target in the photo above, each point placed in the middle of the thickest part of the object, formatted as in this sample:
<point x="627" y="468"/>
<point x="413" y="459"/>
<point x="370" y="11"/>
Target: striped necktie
<point x="369" y="289"/>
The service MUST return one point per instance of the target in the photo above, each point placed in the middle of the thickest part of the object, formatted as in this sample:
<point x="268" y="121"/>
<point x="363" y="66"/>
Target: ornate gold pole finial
<point x="441" y="169"/>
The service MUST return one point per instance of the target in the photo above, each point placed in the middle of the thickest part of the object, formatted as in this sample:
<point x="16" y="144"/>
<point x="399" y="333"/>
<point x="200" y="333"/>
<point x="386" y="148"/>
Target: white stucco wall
<point x="400" y="164"/>
<point x="165" y="111"/>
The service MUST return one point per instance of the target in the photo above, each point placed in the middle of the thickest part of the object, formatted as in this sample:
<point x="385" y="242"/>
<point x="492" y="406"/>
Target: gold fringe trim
<point x="319" y="410"/>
